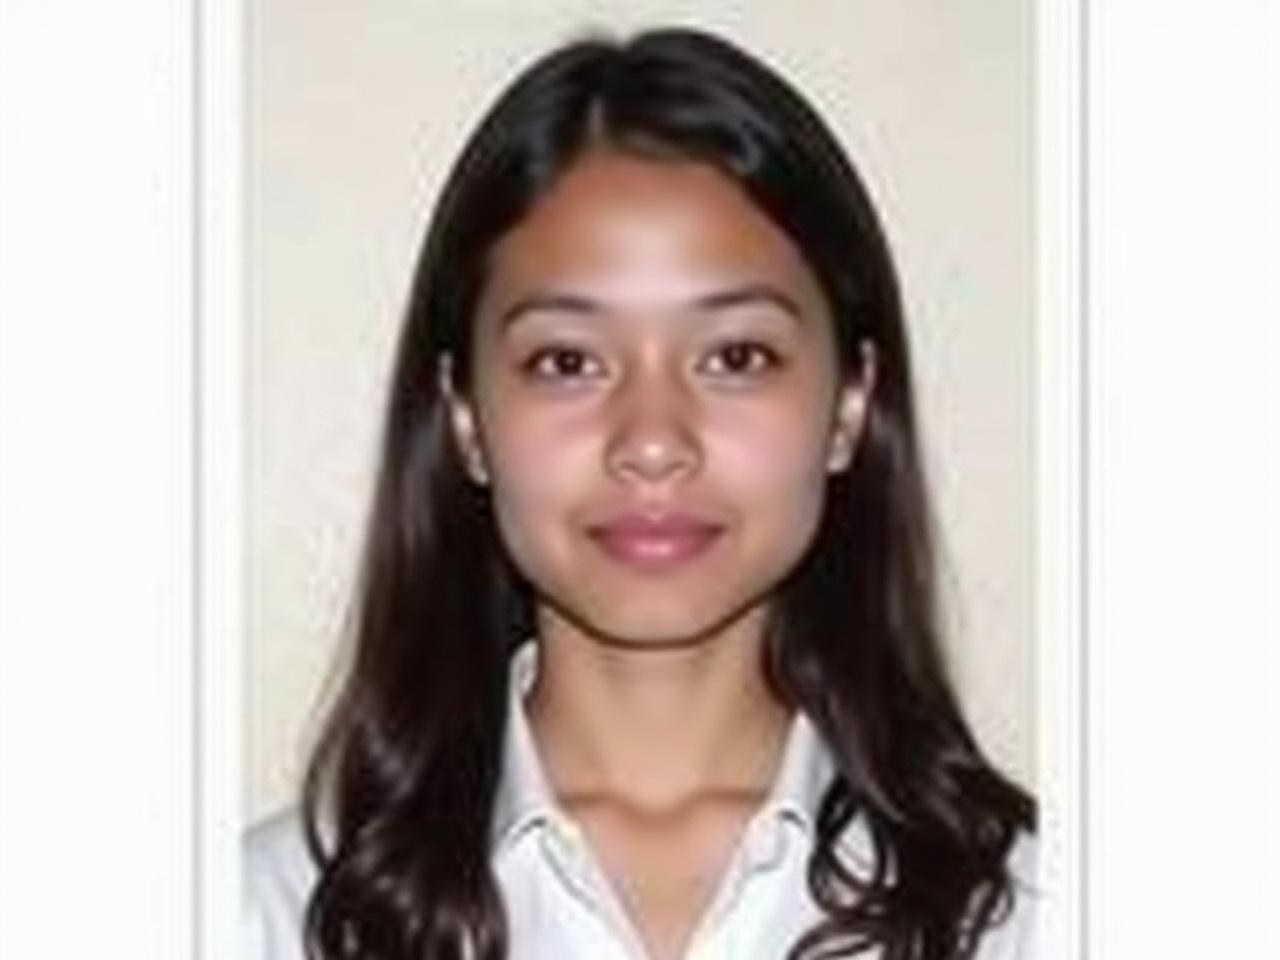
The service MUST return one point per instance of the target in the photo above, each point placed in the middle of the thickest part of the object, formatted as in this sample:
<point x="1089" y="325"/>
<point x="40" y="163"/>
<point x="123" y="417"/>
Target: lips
<point x="655" y="543"/>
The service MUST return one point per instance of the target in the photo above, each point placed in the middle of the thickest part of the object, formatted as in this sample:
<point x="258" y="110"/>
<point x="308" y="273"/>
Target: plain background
<point x="119" y="707"/>
<point x="355" y="112"/>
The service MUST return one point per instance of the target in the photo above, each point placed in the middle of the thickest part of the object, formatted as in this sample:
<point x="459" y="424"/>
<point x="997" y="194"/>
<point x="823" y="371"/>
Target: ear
<point x="462" y="421"/>
<point x="851" y="413"/>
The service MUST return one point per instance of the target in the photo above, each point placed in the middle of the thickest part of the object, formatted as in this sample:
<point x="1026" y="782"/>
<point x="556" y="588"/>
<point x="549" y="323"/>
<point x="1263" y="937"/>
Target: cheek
<point x="775" y="467"/>
<point x="539" y="469"/>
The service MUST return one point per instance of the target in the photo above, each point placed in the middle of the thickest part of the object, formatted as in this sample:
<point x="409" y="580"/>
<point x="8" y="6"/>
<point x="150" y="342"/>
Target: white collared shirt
<point x="560" y="906"/>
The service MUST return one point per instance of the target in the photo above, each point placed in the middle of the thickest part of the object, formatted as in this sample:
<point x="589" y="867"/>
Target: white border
<point x="1183" y="361"/>
<point x="97" y="534"/>
<point x="221" y="186"/>
<point x="1059" y="462"/>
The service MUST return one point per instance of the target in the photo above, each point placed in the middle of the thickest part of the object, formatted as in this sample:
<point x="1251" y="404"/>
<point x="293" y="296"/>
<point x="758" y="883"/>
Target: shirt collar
<point x="525" y="800"/>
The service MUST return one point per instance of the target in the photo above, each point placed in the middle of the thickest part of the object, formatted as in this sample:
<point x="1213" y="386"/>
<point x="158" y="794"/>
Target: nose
<point x="653" y="436"/>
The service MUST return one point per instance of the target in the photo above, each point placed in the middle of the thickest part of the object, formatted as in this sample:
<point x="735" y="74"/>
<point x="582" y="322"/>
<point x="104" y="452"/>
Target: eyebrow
<point x="745" y="295"/>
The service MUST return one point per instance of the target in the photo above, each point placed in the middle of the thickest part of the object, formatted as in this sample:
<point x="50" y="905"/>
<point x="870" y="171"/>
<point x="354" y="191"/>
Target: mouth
<point x="655" y="545"/>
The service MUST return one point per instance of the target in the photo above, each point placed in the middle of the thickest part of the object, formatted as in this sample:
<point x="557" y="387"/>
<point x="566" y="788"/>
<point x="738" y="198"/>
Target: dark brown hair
<point x="400" y="790"/>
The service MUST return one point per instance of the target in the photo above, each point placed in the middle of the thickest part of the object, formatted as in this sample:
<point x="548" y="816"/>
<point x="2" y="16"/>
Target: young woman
<point x="646" y="660"/>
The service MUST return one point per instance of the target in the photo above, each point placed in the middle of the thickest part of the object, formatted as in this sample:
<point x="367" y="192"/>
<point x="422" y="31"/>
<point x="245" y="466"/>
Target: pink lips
<point x="654" y="543"/>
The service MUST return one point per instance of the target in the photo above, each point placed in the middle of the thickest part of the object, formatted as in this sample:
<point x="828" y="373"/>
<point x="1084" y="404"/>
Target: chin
<point x="656" y="623"/>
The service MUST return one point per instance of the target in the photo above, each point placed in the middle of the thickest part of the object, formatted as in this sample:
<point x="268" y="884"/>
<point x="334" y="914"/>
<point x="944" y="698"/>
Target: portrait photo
<point x="397" y="160"/>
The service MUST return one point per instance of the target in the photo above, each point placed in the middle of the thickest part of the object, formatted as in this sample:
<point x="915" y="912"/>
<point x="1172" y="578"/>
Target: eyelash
<point x="772" y="360"/>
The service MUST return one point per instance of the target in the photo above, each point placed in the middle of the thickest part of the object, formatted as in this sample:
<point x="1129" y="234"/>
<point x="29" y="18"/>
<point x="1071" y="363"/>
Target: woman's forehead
<point x="621" y="227"/>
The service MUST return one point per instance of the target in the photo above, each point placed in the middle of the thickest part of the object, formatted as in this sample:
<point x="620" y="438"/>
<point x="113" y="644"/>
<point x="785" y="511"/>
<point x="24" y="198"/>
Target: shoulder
<point x="277" y="878"/>
<point x="275" y="855"/>
<point x="1014" y="938"/>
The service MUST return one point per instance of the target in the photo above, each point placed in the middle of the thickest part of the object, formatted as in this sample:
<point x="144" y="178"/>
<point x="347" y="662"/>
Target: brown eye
<point x="743" y="358"/>
<point x="560" y="363"/>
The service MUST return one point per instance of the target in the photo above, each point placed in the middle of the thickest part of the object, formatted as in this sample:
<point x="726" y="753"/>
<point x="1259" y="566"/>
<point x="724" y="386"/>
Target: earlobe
<point x="463" y="424"/>
<point x="843" y="442"/>
<point x="854" y="404"/>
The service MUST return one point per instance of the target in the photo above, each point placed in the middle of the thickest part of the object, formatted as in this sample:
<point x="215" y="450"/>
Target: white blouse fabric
<point x="560" y="906"/>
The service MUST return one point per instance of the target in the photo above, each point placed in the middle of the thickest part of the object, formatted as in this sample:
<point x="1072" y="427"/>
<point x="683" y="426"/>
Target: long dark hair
<point x="399" y="791"/>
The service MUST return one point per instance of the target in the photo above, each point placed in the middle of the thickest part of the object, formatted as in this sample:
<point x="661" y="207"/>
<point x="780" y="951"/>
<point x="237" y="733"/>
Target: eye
<point x="560" y="363"/>
<point x="743" y="358"/>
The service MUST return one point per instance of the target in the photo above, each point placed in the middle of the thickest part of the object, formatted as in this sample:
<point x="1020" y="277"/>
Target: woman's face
<point x="655" y="400"/>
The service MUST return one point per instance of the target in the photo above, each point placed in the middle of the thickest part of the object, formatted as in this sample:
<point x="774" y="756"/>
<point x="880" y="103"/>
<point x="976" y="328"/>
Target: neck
<point x="655" y="728"/>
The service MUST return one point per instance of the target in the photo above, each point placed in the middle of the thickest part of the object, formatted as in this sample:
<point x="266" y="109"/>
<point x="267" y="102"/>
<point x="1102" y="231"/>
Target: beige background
<point x="355" y="111"/>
